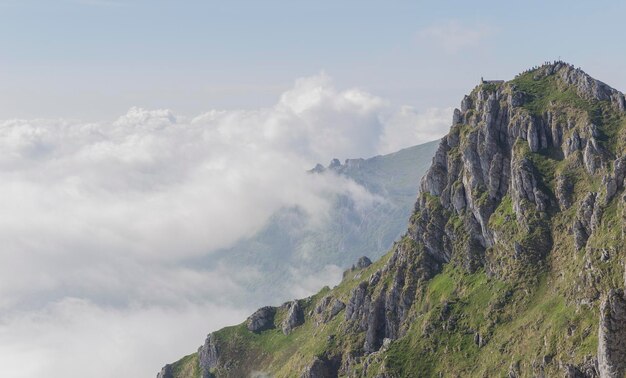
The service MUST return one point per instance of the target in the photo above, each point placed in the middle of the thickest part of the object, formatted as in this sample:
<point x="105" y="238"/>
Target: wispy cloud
<point x="453" y="36"/>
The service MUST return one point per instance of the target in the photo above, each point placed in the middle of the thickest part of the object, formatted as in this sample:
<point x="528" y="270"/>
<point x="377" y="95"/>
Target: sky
<point x="94" y="59"/>
<point x="136" y="135"/>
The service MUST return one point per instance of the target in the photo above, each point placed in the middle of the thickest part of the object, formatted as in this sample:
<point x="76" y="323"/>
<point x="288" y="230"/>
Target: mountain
<point x="292" y="245"/>
<point x="512" y="264"/>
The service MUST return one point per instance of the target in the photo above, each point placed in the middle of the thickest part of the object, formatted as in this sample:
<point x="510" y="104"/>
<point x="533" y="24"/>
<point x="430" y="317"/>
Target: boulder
<point x="262" y="319"/>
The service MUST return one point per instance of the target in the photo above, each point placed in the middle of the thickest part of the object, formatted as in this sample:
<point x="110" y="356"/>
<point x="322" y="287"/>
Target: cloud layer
<point x="96" y="219"/>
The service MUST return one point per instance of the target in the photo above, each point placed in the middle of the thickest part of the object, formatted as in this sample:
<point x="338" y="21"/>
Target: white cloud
<point x="76" y="338"/>
<point x="453" y="36"/>
<point x="401" y="127"/>
<point x="110" y="212"/>
<point x="308" y="284"/>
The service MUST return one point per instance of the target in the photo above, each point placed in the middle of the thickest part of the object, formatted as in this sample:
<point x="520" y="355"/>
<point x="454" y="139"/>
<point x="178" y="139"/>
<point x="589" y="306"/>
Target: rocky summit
<point x="512" y="264"/>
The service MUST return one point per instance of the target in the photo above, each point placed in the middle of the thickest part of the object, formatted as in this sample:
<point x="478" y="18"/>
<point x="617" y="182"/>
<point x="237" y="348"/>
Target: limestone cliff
<point x="511" y="265"/>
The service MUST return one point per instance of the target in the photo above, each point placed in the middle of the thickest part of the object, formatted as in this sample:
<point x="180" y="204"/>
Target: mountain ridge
<point x="512" y="263"/>
<point x="349" y="232"/>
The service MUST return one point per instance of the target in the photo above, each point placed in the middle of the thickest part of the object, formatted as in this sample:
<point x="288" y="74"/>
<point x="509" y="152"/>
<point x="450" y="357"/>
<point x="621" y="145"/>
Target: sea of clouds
<point x="97" y="218"/>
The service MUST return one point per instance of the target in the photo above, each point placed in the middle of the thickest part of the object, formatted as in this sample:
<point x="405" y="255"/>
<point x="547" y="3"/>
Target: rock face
<point x="321" y="368"/>
<point x="612" y="336"/>
<point x="362" y="263"/>
<point x="525" y="190"/>
<point x="166" y="372"/>
<point x="588" y="87"/>
<point x="589" y="369"/>
<point x="295" y="317"/>
<point x="208" y="356"/>
<point x="381" y="314"/>
<point x="327" y="309"/>
<point x="586" y="220"/>
<point x="262" y="319"/>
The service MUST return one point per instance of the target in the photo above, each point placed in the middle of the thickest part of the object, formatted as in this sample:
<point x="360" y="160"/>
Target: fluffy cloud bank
<point x="76" y="338"/>
<point x="96" y="219"/>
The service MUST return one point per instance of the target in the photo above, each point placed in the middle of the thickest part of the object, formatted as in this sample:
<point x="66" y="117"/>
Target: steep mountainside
<point x="512" y="265"/>
<point x="291" y="246"/>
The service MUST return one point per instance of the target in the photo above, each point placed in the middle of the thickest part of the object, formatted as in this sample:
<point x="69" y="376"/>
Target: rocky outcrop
<point x="589" y="369"/>
<point x="362" y="263"/>
<point x="336" y="308"/>
<point x="336" y="166"/>
<point x="588" y="87"/>
<point x="327" y="309"/>
<point x="262" y="319"/>
<point x="359" y="302"/>
<point x="294" y="318"/>
<point x="478" y="164"/>
<point x="612" y="336"/>
<point x="208" y="356"/>
<point x="166" y="372"/>
<point x="526" y="188"/>
<point x="381" y="314"/>
<point x="564" y="187"/>
<point x="322" y="367"/>
<point x="587" y="219"/>
<point x="317" y="169"/>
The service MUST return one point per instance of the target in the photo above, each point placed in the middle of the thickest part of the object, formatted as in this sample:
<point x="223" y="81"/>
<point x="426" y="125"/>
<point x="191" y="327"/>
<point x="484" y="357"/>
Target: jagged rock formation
<point x="516" y="236"/>
<point x="166" y="372"/>
<point x="612" y="335"/>
<point x="321" y="368"/>
<point x="589" y="369"/>
<point x="262" y="319"/>
<point x="295" y="317"/>
<point x="327" y="309"/>
<point x="208" y="357"/>
<point x="362" y="263"/>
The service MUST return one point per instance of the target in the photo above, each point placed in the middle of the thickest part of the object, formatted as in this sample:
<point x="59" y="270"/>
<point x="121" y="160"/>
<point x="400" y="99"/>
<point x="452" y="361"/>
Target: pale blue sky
<point x="95" y="59"/>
